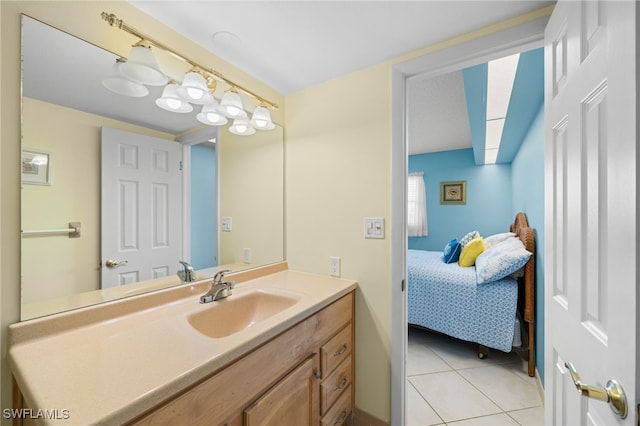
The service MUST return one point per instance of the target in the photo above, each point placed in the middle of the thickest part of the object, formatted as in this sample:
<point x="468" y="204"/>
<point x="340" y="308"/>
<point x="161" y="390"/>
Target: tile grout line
<point x="425" y="400"/>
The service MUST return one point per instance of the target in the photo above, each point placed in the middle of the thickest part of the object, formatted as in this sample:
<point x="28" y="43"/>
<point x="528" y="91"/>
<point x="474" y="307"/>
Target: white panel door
<point x="141" y="207"/>
<point x="590" y="208"/>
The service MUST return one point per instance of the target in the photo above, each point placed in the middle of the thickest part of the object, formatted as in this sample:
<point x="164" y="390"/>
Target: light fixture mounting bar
<point x="113" y="20"/>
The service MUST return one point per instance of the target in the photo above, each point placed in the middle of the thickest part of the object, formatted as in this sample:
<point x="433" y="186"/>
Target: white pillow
<point x="500" y="260"/>
<point x="467" y="238"/>
<point x="494" y="239"/>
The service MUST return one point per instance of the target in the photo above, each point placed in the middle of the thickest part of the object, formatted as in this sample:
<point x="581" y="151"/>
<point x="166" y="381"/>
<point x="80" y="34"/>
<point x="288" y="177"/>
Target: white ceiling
<point x="290" y="45"/>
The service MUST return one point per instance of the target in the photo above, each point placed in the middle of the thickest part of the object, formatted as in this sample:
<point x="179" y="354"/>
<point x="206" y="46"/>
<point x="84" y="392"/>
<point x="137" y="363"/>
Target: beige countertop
<point x="110" y="363"/>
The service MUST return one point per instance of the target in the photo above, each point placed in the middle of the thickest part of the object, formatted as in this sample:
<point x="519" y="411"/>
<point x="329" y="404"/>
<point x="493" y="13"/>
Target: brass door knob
<point x="113" y="263"/>
<point x="611" y="393"/>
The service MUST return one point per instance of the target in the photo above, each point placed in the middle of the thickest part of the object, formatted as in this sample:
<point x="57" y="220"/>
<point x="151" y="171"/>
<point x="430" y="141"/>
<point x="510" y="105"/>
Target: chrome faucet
<point x="219" y="289"/>
<point x="189" y="274"/>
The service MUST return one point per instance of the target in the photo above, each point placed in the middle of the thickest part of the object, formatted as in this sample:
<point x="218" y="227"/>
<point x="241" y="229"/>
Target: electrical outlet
<point x="334" y="266"/>
<point x="246" y="255"/>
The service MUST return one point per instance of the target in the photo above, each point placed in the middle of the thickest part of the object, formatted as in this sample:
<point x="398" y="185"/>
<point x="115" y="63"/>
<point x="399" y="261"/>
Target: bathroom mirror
<point x="223" y="176"/>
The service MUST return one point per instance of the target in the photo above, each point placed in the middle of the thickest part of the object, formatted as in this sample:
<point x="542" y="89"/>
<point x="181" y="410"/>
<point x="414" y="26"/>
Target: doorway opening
<point x="504" y="43"/>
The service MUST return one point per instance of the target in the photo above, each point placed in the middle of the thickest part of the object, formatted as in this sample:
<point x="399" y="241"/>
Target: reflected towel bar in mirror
<point x="73" y="230"/>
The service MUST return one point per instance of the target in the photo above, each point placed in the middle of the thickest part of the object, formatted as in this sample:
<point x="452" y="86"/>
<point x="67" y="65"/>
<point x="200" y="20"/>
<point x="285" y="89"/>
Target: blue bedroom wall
<point x="528" y="196"/>
<point x="204" y="239"/>
<point x="488" y="207"/>
<point x="495" y="193"/>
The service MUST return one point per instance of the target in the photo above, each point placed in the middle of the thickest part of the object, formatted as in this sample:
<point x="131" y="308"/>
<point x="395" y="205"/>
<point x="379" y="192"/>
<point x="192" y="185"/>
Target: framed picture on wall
<point x="36" y="167"/>
<point x="453" y="192"/>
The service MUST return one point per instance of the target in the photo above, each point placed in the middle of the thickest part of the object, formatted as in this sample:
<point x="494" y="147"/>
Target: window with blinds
<point x="416" y="205"/>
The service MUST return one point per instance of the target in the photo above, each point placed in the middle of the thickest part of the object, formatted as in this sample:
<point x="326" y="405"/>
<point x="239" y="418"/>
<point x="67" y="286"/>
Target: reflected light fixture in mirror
<point x="117" y="83"/>
<point x="170" y="100"/>
<point x="242" y="127"/>
<point x="210" y="115"/>
<point x="197" y="86"/>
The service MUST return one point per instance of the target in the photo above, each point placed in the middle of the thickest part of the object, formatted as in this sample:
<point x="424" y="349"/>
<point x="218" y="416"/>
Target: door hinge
<point x="402" y="285"/>
<point x="180" y="166"/>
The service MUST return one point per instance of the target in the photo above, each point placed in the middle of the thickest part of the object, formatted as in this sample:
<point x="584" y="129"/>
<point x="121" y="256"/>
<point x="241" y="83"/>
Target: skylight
<point x="501" y="75"/>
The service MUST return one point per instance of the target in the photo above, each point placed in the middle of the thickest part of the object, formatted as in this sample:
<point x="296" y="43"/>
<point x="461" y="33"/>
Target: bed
<point x="468" y="304"/>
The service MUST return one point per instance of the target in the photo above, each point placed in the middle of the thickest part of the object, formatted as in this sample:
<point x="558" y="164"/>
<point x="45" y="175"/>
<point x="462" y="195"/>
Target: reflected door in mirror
<point x="141" y="200"/>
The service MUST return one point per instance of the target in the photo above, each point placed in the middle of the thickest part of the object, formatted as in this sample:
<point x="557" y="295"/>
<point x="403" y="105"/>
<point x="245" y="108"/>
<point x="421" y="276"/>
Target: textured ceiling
<point x="437" y="119"/>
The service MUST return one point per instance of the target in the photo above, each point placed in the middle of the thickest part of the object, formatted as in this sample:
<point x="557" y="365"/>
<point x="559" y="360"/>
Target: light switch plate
<point x="374" y="227"/>
<point x="226" y="224"/>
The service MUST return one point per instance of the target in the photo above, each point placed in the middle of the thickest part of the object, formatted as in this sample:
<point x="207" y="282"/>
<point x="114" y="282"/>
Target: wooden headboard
<point x="527" y="285"/>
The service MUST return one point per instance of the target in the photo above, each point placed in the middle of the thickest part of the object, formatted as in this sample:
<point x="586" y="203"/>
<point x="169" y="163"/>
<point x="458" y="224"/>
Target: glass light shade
<point x="142" y="67"/>
<point x="211" y="116"/>
<point x="261" y="119"/>
<point x="119" y="84"/>
<point x="231" y="105"/>
<point x="194" y="89"/>
<point x="170" y="100"/>
<point x="242" y="127"/>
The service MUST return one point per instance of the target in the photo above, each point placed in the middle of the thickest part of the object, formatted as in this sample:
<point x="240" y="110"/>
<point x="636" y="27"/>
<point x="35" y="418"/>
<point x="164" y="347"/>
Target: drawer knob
<point x="342" y="350"/>
<point x="342" y="384"/>
<point x="342" y="418"/>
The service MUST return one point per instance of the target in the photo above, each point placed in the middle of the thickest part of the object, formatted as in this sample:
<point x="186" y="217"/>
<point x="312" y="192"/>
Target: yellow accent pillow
<point x="472" y="250"/>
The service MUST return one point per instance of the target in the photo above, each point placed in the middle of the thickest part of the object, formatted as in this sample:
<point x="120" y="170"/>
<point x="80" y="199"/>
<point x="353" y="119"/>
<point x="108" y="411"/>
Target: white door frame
<point x="503" y="43"/>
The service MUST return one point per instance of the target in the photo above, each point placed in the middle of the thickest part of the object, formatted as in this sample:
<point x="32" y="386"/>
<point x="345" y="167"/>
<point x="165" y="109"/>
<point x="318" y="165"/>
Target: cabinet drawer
<point x="335" y="350"/>
<point x="340" y="413"/>
<point x="332" y="387"/>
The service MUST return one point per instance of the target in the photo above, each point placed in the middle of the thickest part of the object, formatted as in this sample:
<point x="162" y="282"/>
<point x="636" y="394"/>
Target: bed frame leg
<point x="483" y="352"/>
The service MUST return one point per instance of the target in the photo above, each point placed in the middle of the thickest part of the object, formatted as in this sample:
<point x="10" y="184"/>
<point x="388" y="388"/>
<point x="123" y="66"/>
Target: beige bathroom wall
<point x="338" y="172"/>
<point x="59" y="266"/>
<point x="81" y="18"/>
<point x="255" y="200"/>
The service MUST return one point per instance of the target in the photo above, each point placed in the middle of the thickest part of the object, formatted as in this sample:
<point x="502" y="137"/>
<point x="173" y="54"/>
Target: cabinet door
<point x="291" y="402"/>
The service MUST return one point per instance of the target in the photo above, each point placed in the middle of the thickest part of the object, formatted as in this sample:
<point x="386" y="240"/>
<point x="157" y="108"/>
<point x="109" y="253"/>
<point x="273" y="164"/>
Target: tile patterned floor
<point x="449" y="385"/>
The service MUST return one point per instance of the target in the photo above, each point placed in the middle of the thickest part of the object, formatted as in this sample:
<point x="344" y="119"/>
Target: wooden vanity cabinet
<point x="303" y="376"/>
<point x="290" y="402"/>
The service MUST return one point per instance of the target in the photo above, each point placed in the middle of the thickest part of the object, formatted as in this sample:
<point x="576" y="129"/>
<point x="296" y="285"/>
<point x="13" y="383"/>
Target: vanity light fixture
<point x="197" y="88"/>
<point x="170" y="100"/>
<point x="194" y="89"/>
<point x="261" y="118"/>
<point x="231" y="105"/>
<point x="142" y="67"/>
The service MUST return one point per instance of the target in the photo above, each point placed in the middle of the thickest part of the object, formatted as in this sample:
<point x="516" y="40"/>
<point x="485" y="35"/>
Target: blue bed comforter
<point x="445" y="298"/>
